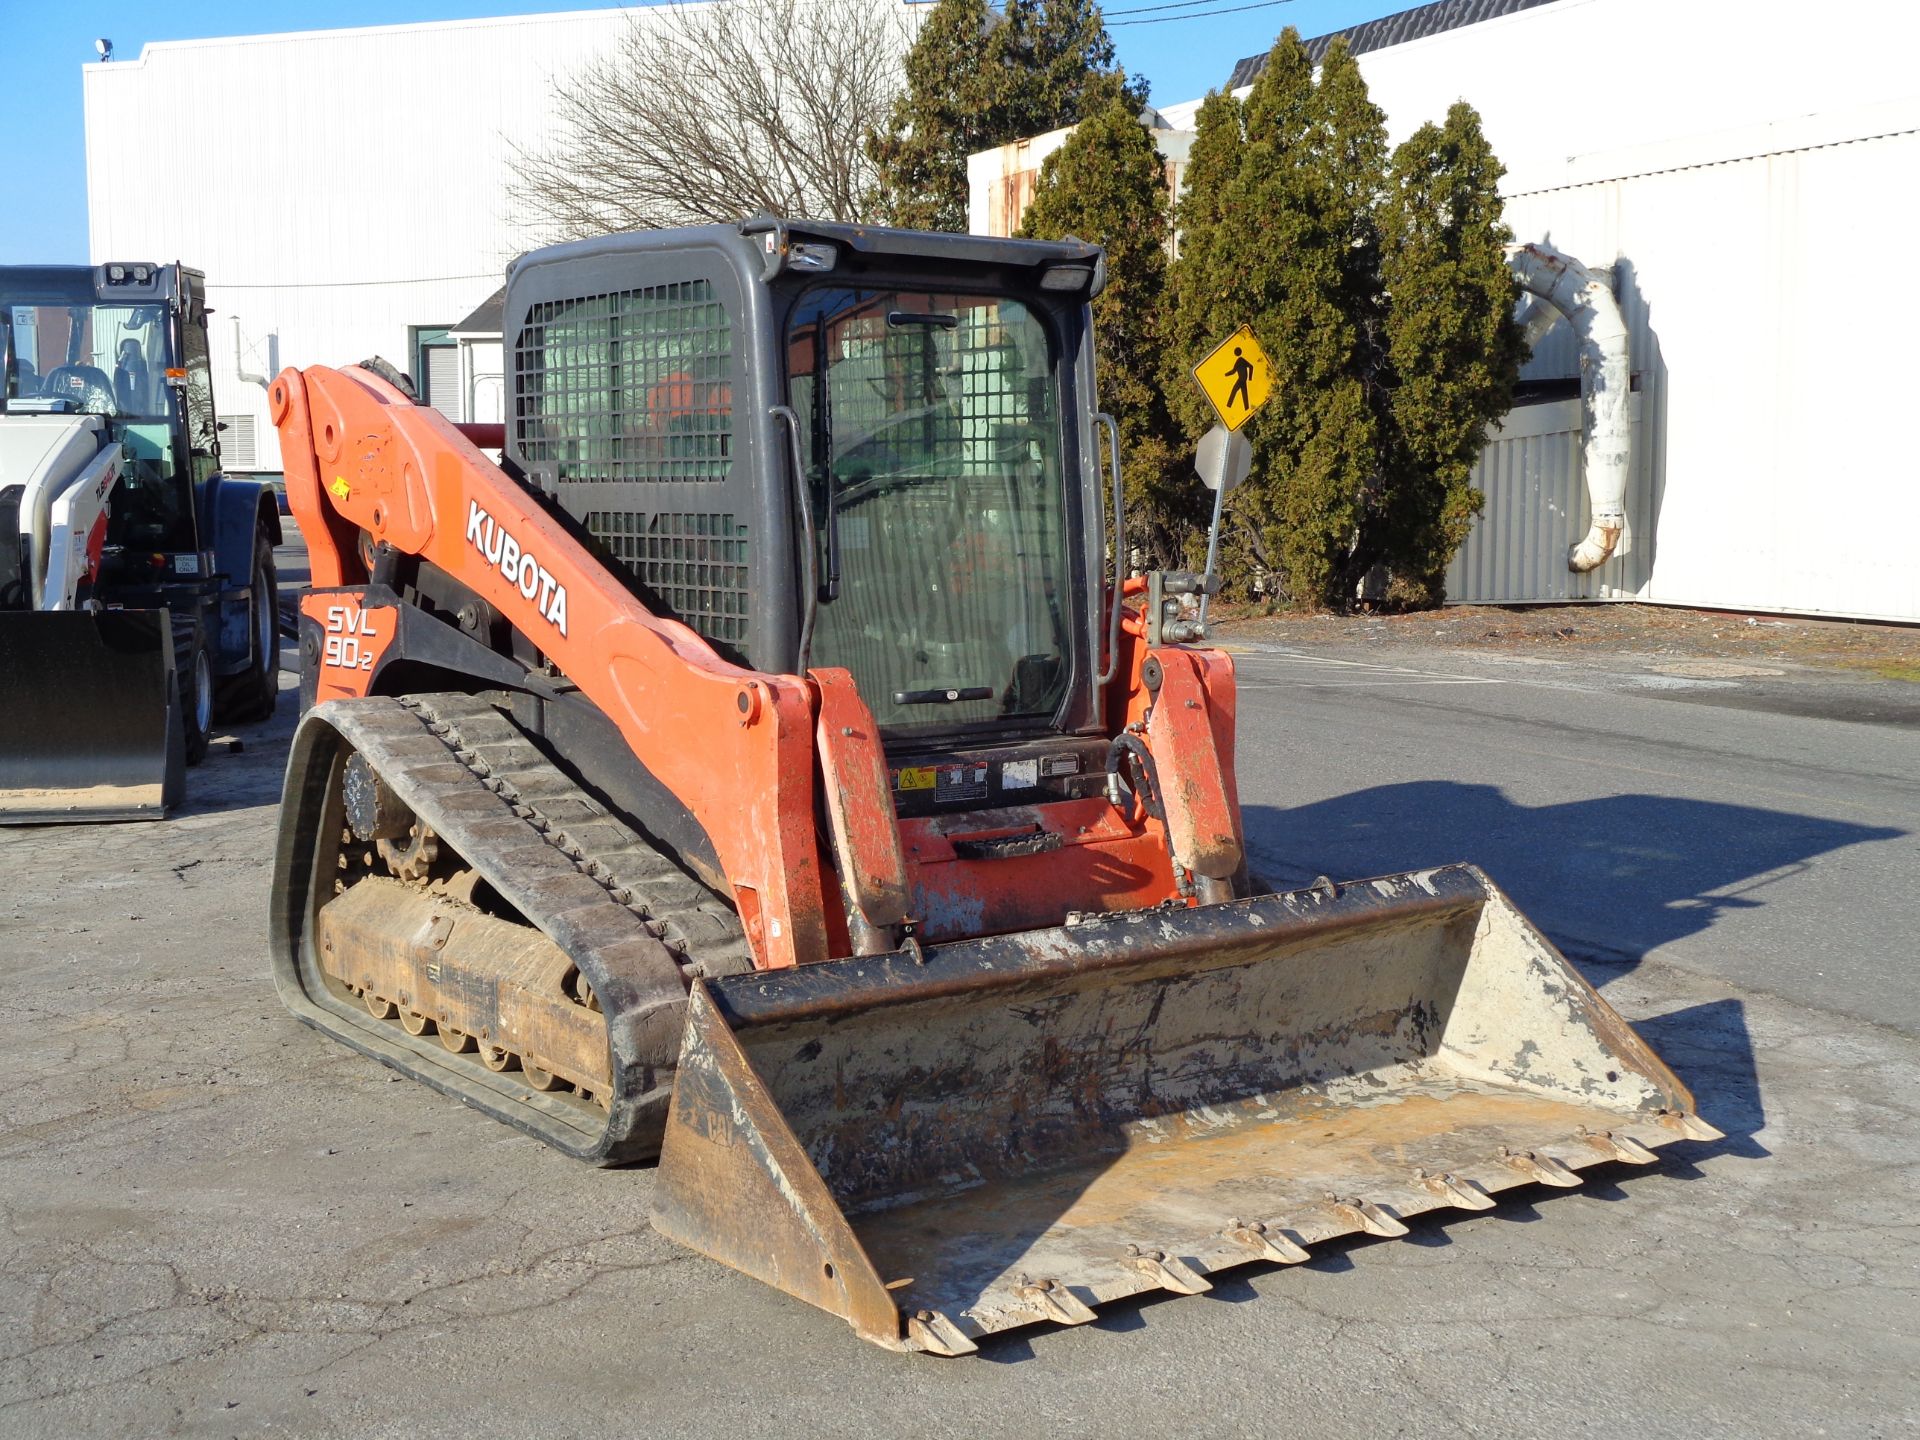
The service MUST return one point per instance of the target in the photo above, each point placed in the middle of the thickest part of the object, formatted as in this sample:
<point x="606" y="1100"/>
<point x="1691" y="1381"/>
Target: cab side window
<point x="203" y="437"/>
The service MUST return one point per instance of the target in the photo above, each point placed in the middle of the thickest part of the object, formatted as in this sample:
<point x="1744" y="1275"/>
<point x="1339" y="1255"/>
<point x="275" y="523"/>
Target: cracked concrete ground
<point x="214" y="1222"/>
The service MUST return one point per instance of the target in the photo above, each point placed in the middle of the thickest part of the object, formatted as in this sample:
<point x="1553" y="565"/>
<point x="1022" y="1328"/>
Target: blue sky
<point x="43" y="43"/>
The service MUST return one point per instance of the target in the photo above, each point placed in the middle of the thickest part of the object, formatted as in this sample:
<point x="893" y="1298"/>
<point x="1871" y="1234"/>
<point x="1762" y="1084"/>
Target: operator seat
<point x="131" y="388"/>
<point x="87" y="386"/>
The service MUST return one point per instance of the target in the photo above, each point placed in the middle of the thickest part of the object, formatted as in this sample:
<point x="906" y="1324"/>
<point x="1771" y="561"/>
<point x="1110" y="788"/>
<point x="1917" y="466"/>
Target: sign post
<point x="1237" y="379"/>
<point x="1222" y="459"/>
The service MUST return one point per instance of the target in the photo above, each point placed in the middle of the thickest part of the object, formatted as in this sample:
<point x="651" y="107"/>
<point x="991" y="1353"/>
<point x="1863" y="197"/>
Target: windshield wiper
<point x="829" y="590"/>
<point x="942" y="697"/>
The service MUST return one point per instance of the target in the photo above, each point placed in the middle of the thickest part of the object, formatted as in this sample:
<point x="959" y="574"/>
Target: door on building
<point x="436" y="370"/>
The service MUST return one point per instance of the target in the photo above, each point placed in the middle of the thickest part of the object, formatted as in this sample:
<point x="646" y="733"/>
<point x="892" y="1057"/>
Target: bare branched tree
<point x="715" y="109"/>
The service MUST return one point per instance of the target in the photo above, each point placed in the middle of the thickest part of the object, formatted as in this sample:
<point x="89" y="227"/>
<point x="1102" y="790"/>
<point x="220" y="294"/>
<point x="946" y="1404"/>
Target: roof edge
<point x="1401" y="28"/>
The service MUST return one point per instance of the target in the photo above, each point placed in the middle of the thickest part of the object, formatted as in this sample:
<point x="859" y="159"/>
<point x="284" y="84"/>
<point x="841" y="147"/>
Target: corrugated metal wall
<point x="1749" y="200"/>
<point x="1766" y="474"/>
<point x="1537" y="507"/>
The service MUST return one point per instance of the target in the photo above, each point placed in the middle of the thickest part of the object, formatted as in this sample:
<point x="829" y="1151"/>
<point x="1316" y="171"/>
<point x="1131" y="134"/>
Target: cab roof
<point x="92" y="284"/>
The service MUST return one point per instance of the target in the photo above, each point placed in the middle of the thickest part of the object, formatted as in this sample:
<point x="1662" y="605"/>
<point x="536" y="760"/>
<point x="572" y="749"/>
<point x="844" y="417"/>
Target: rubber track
<point x="700" y="928"/>
<point x="455" y="760"/>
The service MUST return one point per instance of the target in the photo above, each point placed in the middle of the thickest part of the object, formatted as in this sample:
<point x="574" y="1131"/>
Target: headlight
<point x="812" y="255"/>
<point x="1066" y="277"/>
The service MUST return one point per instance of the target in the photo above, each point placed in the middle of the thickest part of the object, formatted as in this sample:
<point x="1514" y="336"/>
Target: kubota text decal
<point x="534" y="581"/>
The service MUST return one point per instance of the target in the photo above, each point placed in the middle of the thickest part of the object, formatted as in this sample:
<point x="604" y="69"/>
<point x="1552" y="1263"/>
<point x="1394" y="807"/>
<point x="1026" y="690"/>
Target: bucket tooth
<point x="1268" y="1243"/>
<point x="1054" y="1300"/>
<point x="1169" y="1272"/>
<point x="1450" y="1189"/>
<point x="1690" y="1125"/>
<point x="1617" y="1147"/>
<point x="933" y="1333"/>
<point x="1365" y="1215"/>
<point x="1543" y="1168"/>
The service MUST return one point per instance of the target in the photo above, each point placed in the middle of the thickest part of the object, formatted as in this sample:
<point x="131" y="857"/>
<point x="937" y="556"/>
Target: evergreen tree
<point x="942" y="117"/>
<point x="1204" y="301"/>
<point x="1055" y="65"/>
<point x="1347" y="153"/>
<point x="1292" y="216"/>
<point x="1107" y="184"/>
<point x="977" y="78"/>
<point x="1378" y="287"/>
<point x="1452" y="345"/>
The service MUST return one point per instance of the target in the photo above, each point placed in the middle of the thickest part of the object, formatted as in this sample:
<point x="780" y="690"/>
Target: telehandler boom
<point x="760" y="769"/>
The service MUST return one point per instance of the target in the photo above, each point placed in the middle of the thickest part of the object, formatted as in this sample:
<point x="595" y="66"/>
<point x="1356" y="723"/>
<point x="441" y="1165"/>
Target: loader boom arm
<point x="734" y="745"/>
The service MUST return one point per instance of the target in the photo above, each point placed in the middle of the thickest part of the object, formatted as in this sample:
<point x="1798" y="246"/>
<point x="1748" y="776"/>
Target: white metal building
<point x="1750" y="171"/>
<point x="347" y="192"/>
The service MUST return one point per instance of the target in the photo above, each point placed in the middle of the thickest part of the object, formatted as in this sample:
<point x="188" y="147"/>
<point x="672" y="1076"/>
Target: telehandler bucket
<point x="88" y="726"/>
<point x="1016" y="1129"/>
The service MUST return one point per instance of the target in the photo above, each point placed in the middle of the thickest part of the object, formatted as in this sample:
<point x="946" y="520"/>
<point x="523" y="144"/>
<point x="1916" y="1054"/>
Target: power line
<point x="1199" y="14"/>
<point x="1175" y="5"/>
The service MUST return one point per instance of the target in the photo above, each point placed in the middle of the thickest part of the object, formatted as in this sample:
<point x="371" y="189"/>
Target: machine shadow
<point x="1608" y="879"/>
<point x="245" y="766"/>
<point x="1710" y="1049"/>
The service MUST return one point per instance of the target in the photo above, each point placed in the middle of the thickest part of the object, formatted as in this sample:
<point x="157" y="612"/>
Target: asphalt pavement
<point x="1631" y="814"/>
<point x="216" y="1222"/>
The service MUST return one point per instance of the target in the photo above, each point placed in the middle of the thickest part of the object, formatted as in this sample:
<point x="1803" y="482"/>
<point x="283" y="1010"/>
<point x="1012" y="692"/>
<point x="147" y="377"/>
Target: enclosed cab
<point x="946" y="545"/>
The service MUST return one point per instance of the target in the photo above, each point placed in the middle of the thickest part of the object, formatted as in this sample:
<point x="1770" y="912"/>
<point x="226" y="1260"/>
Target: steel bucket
<point x="88" y="725"/>
<point x="1017" y="1129"/>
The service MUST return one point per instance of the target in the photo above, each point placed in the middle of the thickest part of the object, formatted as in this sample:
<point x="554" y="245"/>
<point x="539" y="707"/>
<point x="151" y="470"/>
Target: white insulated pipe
<point x="1559" y="283"/>
<point x="240" y="370"/>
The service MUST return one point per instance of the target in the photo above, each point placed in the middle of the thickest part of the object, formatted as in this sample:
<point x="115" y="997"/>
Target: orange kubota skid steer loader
<point x="757" y="768"/>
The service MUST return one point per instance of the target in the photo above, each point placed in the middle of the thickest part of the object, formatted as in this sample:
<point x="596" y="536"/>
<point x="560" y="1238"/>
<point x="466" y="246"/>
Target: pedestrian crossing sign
<point x="1236" y="378"/>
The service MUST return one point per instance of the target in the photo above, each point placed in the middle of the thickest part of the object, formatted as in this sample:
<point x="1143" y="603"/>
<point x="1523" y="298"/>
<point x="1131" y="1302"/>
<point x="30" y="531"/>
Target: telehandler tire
<point x="251" y="695"/>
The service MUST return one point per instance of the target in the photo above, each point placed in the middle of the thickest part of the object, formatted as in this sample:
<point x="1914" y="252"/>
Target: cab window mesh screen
<point x="699" y="560"/>
<point x="628" y="386"/>
<point x="623" y="403"/>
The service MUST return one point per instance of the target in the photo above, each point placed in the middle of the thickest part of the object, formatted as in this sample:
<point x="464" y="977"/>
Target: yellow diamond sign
<point x="1236" y="377"/>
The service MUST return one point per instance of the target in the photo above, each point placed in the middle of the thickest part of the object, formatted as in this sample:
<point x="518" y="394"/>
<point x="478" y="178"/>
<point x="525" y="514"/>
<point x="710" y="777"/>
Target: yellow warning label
<point x="917" y="777"/>
<point x="1236" y="377"/>
<point x="340" y="487"/>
